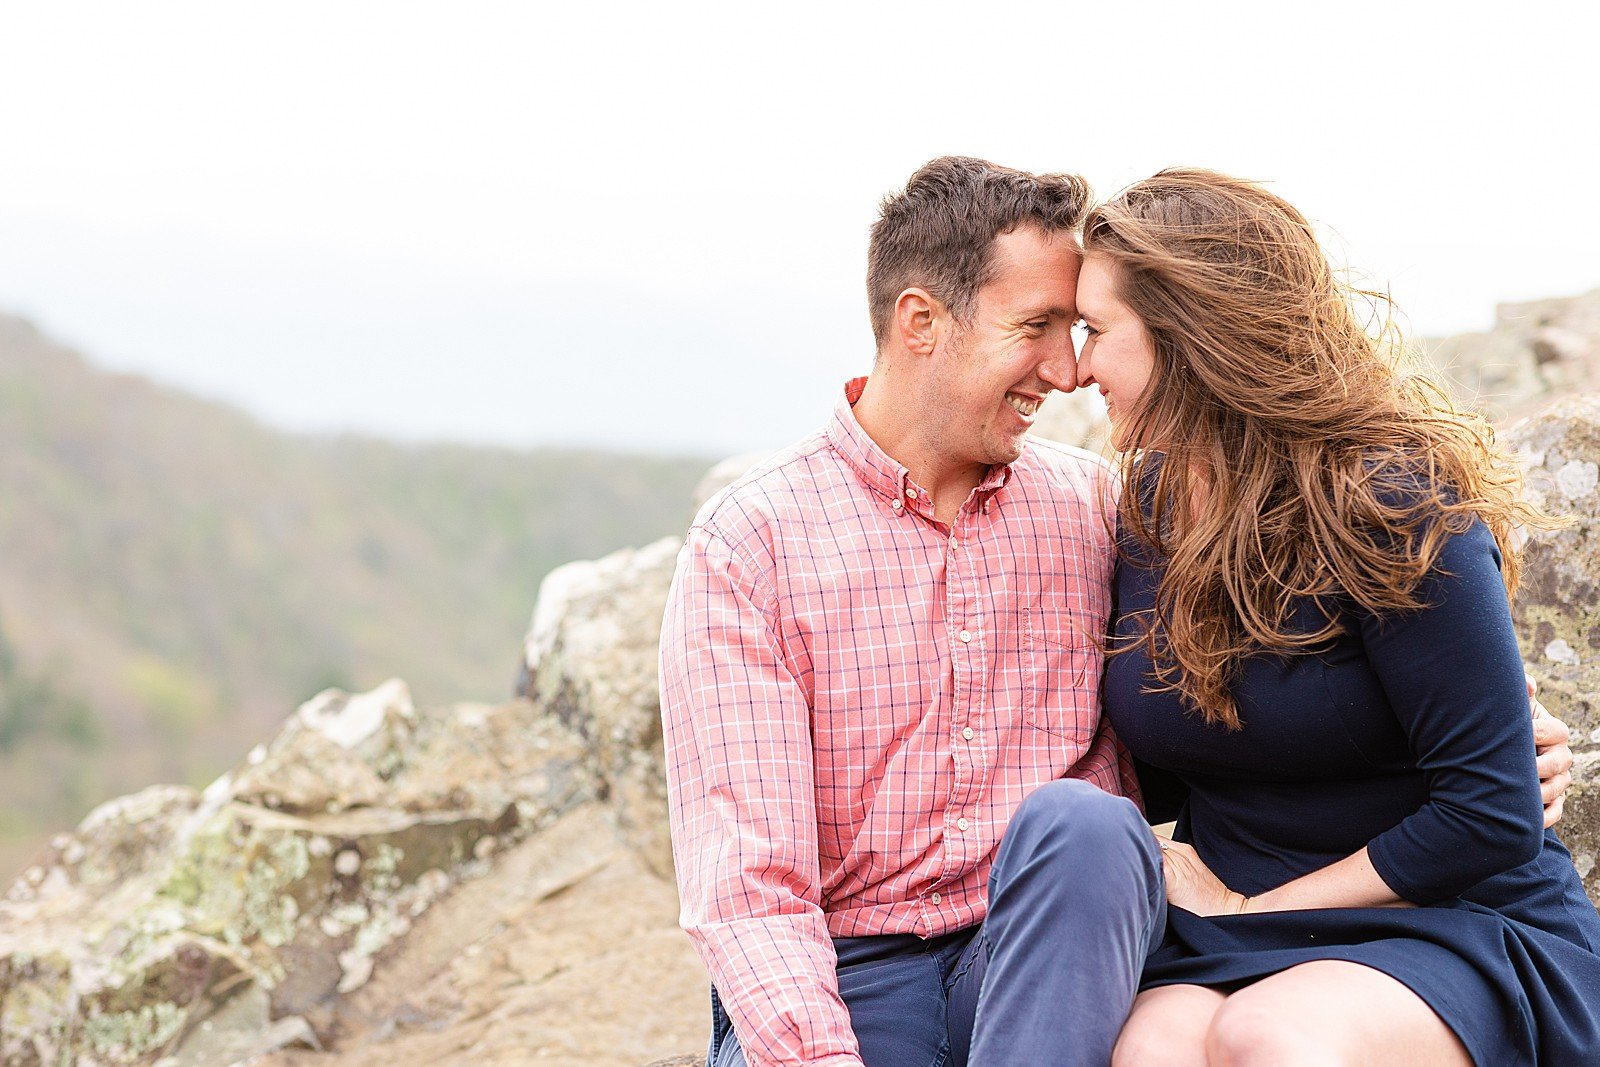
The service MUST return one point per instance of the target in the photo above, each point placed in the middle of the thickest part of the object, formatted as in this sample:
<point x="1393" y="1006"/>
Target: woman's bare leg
<point x="1334" y="1013"/>
<point x="1167" y="1026"/>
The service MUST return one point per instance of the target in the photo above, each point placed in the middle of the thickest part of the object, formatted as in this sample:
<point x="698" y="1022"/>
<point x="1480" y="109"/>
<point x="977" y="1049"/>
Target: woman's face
<point x="1118" y="354"/>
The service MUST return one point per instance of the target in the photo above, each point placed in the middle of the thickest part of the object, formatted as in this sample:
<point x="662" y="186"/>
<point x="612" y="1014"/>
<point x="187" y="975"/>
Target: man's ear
<point x="918" y="318"/>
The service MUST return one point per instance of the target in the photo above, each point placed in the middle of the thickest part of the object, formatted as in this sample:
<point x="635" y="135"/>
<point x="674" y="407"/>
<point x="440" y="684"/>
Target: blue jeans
<point x="1076" y="903"/>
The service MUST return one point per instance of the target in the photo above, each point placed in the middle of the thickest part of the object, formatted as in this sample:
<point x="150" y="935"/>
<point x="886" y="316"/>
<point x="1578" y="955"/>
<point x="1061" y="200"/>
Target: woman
<point x="1313" y="637"/>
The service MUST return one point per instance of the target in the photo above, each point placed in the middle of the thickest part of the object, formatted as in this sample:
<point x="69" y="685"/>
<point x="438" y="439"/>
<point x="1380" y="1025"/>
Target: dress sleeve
<point x="1454" y="677"/>
<point x="742" y="807"/>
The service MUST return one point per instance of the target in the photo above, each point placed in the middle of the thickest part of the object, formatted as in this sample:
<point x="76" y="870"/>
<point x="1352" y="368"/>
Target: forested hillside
<point x="175" y="577"/>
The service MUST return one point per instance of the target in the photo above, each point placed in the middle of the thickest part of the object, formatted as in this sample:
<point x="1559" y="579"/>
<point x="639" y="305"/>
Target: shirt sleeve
<point x="1454" y="677"/>
<point x="740" y="784"/>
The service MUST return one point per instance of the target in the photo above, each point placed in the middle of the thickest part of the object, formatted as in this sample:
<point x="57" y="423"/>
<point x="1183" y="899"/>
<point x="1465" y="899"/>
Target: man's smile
<point x="1025" y="405"/>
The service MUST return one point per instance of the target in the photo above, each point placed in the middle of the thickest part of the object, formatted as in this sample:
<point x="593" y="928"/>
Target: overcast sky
<point x="645" y="225"/>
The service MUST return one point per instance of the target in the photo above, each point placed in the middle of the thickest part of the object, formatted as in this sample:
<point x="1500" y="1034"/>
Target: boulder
<point x="1535" y="351"/>
<point x="591" y="662"/>
<point x="1558" y="605"/>
<point x="273" y="890"/>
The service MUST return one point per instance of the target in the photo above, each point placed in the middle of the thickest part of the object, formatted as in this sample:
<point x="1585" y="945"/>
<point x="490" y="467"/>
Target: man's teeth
<point x="1025" y="406"/>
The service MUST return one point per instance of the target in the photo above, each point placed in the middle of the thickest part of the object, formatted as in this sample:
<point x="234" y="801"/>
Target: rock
<point x="1580" y="826"/>
<point x="1535" y="352"/>
<point x="567" y="951"/>
<point x="288" y="875"/>
<point x="591" y="661"/>
<point x="240" y="1029"/>
<point x="1558" y="605"/>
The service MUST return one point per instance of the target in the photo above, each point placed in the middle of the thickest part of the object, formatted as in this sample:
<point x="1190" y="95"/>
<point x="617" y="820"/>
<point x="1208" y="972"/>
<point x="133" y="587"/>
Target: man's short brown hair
<point x="939" y="232"/>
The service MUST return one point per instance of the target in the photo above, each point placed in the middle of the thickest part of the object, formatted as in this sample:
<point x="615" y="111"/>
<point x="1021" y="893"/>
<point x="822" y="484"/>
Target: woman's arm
<point x="1350" y="883"/>
<point x="1453" y="675"/>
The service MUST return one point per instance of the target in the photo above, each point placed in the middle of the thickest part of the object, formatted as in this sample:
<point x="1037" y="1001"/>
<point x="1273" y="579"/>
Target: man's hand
<point x="1191" y="885"/>
<point x="1550" y="737"/>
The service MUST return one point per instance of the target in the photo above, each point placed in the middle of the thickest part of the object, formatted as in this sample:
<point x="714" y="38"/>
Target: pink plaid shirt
<point x="856" y="697"/>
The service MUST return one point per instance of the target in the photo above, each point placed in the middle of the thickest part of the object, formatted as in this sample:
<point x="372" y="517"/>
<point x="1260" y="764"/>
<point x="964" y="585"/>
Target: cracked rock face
<point x="1535" y="351"/>
<point x="1558" y="606"/>
<point x="286" y="877"/>
<point x="591" y="661"/>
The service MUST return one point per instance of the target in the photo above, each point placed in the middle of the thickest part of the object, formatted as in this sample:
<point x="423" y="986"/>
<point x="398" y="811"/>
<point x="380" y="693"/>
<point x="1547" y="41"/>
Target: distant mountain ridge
<point x="174" y="575"/>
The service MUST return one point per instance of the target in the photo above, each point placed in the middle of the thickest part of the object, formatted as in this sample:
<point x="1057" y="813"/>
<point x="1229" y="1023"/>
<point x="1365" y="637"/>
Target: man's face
<point x="995" y="371"/>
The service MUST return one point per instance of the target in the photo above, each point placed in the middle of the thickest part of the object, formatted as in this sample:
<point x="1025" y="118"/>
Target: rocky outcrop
<point x="1534" y="352"/>
<point x="1558" y="606"/>
<point x="258" y="906"/>
<point x="590" y="662"/>
<point x="383" y="883"/>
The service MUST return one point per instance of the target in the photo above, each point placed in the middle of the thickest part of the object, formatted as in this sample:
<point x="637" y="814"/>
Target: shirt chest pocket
<point x="1061" y="666"/>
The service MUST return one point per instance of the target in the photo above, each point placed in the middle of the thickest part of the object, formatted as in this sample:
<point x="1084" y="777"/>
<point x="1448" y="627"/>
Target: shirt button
<point x="934" y="897"/>
<point x="897" y="504"/>
<point x="912" y="493"/>
<point x="967" y="733"/>
<point x="954" y="544"/>
<point x="961" y="824"/>
<point x="965" y="635"/>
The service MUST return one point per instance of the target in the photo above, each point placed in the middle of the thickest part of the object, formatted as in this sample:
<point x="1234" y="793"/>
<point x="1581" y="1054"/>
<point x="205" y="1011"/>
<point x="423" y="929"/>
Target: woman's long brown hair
<point x="1304" y="453"/>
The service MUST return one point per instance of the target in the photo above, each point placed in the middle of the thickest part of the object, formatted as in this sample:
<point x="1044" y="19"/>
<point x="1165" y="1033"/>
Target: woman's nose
<point x="1084" y="370"/>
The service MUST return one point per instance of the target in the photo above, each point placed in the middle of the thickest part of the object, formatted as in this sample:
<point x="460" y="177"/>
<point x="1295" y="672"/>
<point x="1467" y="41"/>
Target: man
<point x="880" y="655"/>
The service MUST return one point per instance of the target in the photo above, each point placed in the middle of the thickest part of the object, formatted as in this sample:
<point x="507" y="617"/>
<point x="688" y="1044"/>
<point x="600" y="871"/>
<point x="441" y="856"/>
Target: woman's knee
<point x="1252" y="1031"/>
<point x="1146" y="1042"/>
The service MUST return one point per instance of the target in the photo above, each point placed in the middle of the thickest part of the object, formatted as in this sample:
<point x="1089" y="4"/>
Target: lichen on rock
<point x="159" y="906"/>
<point x="1557" y="608"/>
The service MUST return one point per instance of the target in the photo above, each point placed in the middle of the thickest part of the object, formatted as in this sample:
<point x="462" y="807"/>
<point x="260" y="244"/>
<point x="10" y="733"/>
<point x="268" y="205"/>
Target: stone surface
<point x="591" y="661"/>
<point x="1535" y="351"/>
<point x="568" y="952"/>
<point x="276" y="883"/>
<point x="1558" y="606"/>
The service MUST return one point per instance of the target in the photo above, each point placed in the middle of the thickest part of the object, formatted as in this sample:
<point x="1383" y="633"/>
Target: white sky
<point x="644" y="225"/>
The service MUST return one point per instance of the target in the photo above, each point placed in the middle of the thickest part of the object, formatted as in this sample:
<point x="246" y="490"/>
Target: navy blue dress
<point x="1408" y="734"/>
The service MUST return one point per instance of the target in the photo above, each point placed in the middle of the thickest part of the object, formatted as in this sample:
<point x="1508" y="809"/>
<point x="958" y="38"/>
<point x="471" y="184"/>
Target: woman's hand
<point x="1550" y="738"/>
<point x="1191" y="885"/>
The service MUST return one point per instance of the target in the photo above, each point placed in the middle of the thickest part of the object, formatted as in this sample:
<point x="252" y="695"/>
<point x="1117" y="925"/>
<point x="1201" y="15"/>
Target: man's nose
<point x="1060" y="372"/>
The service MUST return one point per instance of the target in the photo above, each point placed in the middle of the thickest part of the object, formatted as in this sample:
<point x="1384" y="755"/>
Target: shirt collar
<point x="877" y="469"/>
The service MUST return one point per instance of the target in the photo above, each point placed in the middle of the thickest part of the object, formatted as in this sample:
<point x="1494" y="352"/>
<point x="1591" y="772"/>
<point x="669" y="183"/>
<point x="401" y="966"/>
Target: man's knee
<point x="1072" y="814"/>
